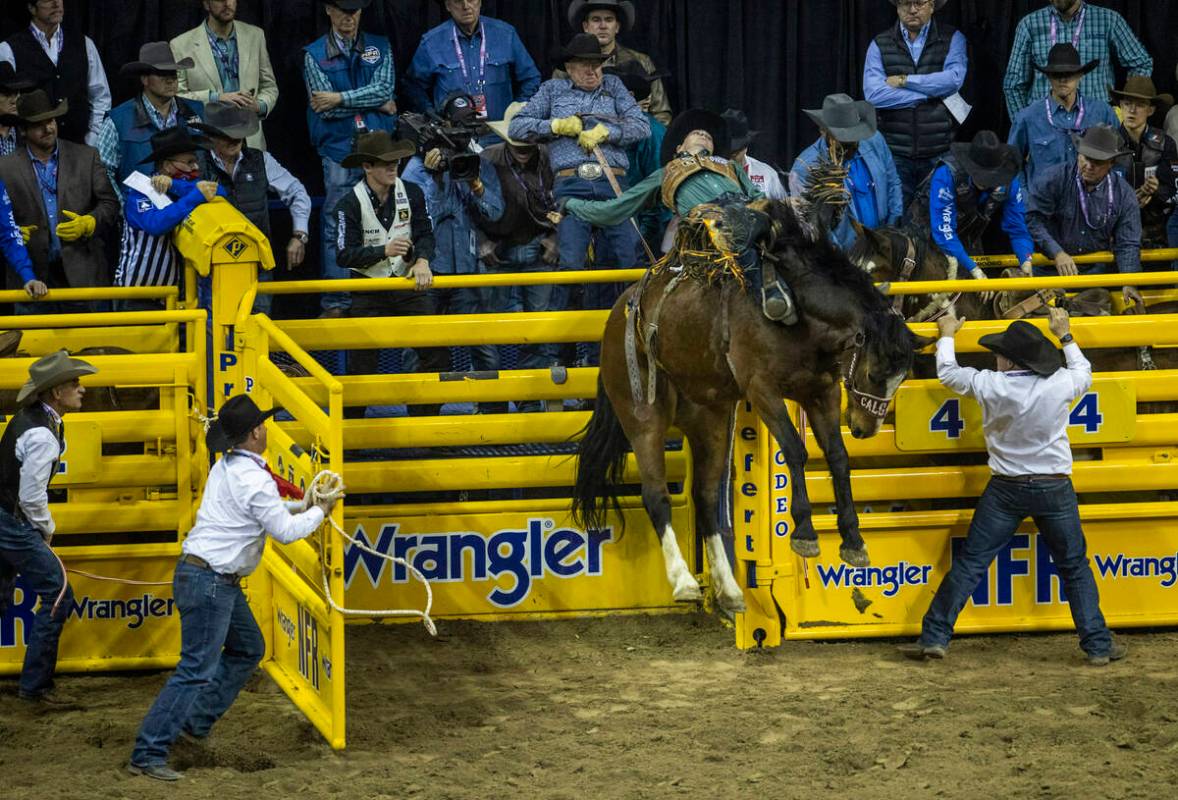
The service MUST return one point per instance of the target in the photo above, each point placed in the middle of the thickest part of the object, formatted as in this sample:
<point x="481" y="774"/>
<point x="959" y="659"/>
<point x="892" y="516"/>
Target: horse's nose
<point x="857" y="432"/>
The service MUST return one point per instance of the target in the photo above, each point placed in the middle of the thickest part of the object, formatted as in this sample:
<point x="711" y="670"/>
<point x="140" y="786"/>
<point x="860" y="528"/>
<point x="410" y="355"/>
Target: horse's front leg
<point x="823" y="412"/>
<point x="771" y="408"/>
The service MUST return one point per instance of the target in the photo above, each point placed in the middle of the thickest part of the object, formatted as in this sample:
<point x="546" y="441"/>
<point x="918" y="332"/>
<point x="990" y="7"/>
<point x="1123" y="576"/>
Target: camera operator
<point x="454" y="190"/>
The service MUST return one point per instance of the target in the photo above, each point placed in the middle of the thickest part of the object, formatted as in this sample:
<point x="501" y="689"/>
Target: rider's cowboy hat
<point x="1140" y="87"/>
<point x="172" y="142"/>
<point x="378" y="146"/>
<point x="500" y="127"/>
<point x="623" y="9"/>
<point x="1100" y="143"/>
<point x="156" y="57"/>
<point x="1025" y="345"/>
<point x="228" y="121"/>
<point x="848" y="120"/>
<point x="36" y="107"/>
<point x="583" y="47"/>
<point x="1064" y="59"/>
<point x="234" y="421"/>
<point x="988" y="160"/>
<point x="52" y="370"/>
<point x="696" y="119"/>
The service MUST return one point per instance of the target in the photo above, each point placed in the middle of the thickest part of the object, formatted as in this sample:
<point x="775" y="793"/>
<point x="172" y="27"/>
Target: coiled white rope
<point x="328" y="485"/>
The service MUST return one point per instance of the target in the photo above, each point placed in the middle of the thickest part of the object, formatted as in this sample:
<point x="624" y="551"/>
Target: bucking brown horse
<point x="699" y="340"/>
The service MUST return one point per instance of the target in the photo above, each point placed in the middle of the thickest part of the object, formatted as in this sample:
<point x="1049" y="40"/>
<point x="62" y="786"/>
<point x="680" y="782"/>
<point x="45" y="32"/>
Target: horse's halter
<point x="874" y="405"/>
<point x="906" y="270"/>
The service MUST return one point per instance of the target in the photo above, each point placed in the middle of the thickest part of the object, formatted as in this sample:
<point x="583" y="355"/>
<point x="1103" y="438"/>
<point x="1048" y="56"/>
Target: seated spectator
<point x="350" y="82"/>
<point x="65" y="65"/>
<point x="1151" y="165"/>
<point x="524" y="238"/>
<point x="147" y="256"/>
<point x="12" y="247"/>
<point x="849" y="137"/>
<point x="232" y="64"/>
<point x="453" y="201"/>
<point x="645" y="155"/>
<point x="249" y="176"/>
<point x="1085" y="207"/>
<point x="10" y="89"/>
<point x="583" y="116"/>
<point x="761" y="175"/>
<point x="125" y="139"/>
<point x="1098" y="32"/>
<point x="971" y="186"/>
<point x="605" y="19"/>
<point x="60" y="193"/>
<point x="385" y="231"/>
<point x="1043" y="131"/>
<point x="475" y="54"/>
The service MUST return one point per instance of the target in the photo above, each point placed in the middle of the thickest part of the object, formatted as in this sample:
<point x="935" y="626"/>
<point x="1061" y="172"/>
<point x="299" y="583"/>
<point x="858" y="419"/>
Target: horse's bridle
<point x="906" y="270"/>
<point x="874" y="405"/>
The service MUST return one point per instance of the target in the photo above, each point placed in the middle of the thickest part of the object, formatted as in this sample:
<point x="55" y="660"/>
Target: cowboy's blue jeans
<point x="25" y="551"/>
<point x="616" y="247"/>
<point x="526" y="258"/>
<point x="1001" y="509"/>
<point x="338" y="180"/>
<point x="220" y="645"/>
<point x="911" y="172"/>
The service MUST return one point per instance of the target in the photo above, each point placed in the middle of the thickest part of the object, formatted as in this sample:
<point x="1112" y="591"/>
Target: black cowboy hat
<point x="10" y="83"/>
<point x="234" y="421"/>
<point x="172" y="142"/>
<point x="1100" y="143"/>
<point x="36" y="107"/>
<point x="1064" y="59"/>
<point x="1140" y="87"/>
<point x="1025" y="345"/>
<point x="156" y="57"/>
<point x="694" y="119"/>
<point x="583" y="47"/>
<point x="353" y="5"/>
<point x="988" y="160"/>
<point x="579" y="9"/>
<point x="378" y="146"/>
<point x="228" y="121"/>
<point x="848" y="120"/>
<point x="636" y="78"/>
<point x="738" y="129"/>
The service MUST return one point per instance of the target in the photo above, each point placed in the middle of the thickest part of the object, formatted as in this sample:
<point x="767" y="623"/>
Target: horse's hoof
<point x="688" y="593"/>
<point x="806" y="548"/>
<point x="856" y="557"/>
<point x="731" y="605"/>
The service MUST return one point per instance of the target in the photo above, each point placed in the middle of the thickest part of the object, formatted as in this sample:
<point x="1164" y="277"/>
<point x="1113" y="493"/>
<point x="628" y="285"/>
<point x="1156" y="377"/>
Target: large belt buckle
<point x="589" y="171"/>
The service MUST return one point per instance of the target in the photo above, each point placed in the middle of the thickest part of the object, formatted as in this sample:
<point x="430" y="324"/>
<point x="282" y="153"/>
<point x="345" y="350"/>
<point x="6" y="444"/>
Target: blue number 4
<point x="1087" y="413"/>
<point x="948" y="419"/>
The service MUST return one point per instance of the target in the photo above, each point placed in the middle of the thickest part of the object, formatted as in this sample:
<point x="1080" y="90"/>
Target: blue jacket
<point x="332" y="134"/>
<point x="142" y="215"/>
<point x="136" y="129"/>
<point x="450" y="204"/>
<point x="11" y="244"/>
<point x="889" y="199"/>
<point x="510" y="75"/>
<point x="943" y="213"/>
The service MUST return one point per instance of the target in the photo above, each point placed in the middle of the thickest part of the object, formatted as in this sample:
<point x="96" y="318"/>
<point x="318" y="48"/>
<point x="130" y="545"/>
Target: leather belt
<point x="197" y="561"/>
<point x="1055" y="476"/>
<point x="588" y="171"/>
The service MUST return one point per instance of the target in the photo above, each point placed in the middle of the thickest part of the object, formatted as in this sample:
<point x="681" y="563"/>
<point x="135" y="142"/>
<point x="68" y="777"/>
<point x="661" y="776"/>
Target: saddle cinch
<point x="1017" y="305"/>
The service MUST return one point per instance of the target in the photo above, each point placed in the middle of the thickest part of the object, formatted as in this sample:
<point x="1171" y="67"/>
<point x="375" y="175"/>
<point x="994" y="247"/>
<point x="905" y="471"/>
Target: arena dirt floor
<point x="645" y="707"/>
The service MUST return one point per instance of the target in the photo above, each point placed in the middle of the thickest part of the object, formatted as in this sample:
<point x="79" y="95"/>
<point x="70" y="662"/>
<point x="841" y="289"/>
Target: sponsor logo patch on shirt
<point x="403" y="214"/>
<point x="944" y="194"/>
<point x="143" y="205"/>
<point x="371" y="54"/>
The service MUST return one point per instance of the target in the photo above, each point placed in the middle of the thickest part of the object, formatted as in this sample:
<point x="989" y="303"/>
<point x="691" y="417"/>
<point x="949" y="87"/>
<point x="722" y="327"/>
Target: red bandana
<point x="285" y="488"/>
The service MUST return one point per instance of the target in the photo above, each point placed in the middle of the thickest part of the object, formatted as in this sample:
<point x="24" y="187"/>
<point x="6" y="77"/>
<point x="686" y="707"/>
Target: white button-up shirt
<point x="764" y="177"/>
<point x="240" y="507"/>
<point x="37" y="451"/>
<point x="1024" y="415"/>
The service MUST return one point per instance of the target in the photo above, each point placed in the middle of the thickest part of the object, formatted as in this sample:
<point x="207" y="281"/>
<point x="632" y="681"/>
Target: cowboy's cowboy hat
<point x="848" y="120"/>
<point x="354" y="5"/>
<point x="940" y="4"/>
<point x="1025" y="345"/>
<point x="155" y="57"/>
<point x="10" y="83"/>
<point x="234" y="421"/>
<point x="1140" y="87"/>
<point x="696" y="119"/>
<point x="635" y="77"/>
<point x="36" y="107"/>
<point x="1064" y="59"/>
<point x="228" y="121"/>
<point x="988" y="160"/>
<point x="500" y="127"/>
<point x="579" y="9"/>
<point x="1100" y="143"/>
<point x="172" y="142"/>
<point x="378" y="146"/>
<point x="738" y="129"/>
<point x="52" y="370"/>
<point x="583" y="47"/>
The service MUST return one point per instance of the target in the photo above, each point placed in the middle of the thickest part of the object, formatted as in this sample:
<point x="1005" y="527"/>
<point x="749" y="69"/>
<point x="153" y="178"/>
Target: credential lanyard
<point x="462" y="59"/>
<point x="1075" y="35"/>
<point x="1084" y="200"/>
<point x="1077" y="126"/>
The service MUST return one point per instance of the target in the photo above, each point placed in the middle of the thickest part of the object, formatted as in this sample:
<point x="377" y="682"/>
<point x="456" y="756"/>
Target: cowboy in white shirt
<point x="763" y="176"/>
<point x="1025" y="409"/>
<point x="220" y="643"/>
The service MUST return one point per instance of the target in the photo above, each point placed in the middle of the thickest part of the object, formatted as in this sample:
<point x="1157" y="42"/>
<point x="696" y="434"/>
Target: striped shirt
<point x="146" y="255"/>
<point x="1097" y="32"/>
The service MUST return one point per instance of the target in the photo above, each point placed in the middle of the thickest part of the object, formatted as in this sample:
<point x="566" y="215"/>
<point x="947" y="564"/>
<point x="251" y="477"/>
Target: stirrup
<point x="777" y="304"/>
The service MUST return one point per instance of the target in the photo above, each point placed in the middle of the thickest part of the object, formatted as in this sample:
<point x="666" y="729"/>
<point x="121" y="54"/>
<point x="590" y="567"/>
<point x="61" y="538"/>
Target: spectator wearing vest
<point x="63" y="197"/>
<point x="909" y="71"/>
<point x="125" y="140"/>
<point x="1097" y="33"/>
<point x="63" y="63"/>
<point x="10" y="89"/>
<point x="1152" y="165"/>
<point x="761" y="175"/>
<point x="475" y="54"/>
<point x="30" y="450"/>
<point x="249" y="176"/>
<point x="231" y="64"/>
<point x="1044" y="132"/>
<point x="350" y="80"/>
<point x="385" y="231"/>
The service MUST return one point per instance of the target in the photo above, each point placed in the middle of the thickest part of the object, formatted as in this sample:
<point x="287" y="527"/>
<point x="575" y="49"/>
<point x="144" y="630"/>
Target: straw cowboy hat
<point x="988" y="160"/>
<point x="848" y="120"/>
<point x="1100" y="143"/>
<point x="1025" y="345"/>
<point x="227" y="121"/>
<point x="500" y="127"/>
<point x="378" y="146"/>
<point x="52" y="370"/>
<point x="623" y="9"/>
<point x="234" y="421"/>
<point x="36" y="107"/>
<point x="1064" y="59"/>
<point x="155" y="57"/>
<point x="1140" y="87"/>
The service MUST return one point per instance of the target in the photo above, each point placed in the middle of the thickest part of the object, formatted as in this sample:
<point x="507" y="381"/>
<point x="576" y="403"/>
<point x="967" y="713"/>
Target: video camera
<point x="431" y="131"/>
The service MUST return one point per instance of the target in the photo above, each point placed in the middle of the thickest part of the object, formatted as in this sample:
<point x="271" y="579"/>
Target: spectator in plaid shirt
<point x="1097" y="32"/>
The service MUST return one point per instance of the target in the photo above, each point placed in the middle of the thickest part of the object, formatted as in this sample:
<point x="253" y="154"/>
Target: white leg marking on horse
<point x="728" y="594"/>
<point x="683" y="585"/>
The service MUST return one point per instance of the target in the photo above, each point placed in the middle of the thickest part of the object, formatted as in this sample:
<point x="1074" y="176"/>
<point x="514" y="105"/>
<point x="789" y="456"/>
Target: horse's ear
<point x="921" y="342"/>
<point x="858" y="227"/>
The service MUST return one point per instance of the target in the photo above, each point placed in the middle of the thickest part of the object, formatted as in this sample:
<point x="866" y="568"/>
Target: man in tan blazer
<point x="232" y="64"/>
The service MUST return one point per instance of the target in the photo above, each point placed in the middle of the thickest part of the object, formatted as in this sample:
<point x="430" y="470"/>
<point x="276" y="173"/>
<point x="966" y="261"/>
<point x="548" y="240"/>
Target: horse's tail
<point x="601" y="460"/>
